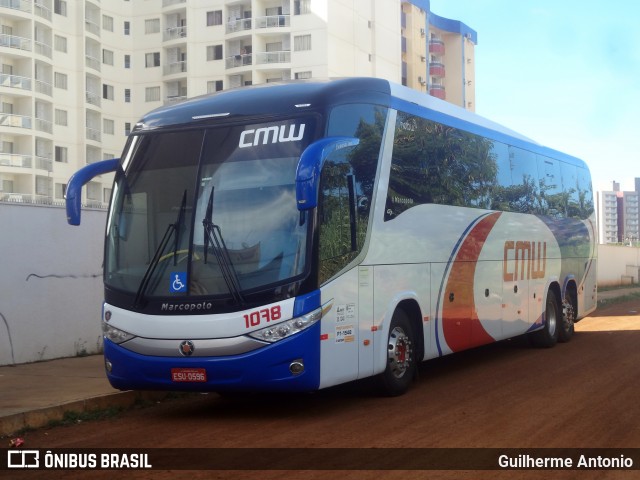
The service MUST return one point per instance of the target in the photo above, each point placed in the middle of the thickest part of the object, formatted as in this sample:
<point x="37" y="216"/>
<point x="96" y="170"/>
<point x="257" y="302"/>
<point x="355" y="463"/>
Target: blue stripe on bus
<point x="265" y="369"/>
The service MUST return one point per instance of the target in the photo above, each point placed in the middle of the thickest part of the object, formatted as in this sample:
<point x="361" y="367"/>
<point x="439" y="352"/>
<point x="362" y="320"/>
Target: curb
<point x="43" y="416"/>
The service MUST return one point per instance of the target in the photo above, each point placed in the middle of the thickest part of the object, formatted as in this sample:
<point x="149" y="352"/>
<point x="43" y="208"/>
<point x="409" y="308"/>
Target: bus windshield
<point x="208" y="212"/>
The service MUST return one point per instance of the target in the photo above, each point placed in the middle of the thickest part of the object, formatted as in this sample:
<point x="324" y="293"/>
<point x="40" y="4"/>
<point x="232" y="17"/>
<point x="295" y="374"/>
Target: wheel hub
<point x="399" y="352"/>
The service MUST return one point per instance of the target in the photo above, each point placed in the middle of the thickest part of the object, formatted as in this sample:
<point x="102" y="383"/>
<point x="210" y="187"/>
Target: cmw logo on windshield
<point x="266" y="135"/>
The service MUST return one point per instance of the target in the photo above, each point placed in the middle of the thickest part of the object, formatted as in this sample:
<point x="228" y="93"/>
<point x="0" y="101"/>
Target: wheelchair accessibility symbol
<point x="178" y="282"/>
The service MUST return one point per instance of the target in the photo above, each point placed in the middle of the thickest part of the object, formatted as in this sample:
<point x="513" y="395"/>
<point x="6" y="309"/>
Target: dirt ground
<point x="582" y="394"/>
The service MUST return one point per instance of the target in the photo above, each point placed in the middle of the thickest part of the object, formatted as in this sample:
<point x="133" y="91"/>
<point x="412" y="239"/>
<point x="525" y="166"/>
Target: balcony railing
<point x="436" y="47"/>
<point x="92" y="26"/>
<point x="273" y="21"/>
<point x="42" y="49"/>
<point x="18" y="121"/>
<point x="15" y="160"/>
<point x="44" y="87"/>
<point x="92" y="62"/>
<point x="238" y="25"/>
<point x="239" y="60"/>
<point x="174" y="99"/>
<point x="42" y="11"/>
<point x="12" y="41"/>
<point x="168" y="3"/>
<point x="44" y="125"/>
<point x="22" y="5"/>
<point x="93" y="134"/>
<point x="174" y="33"/>
<point x="438" y="91"/>
<point x="93" y="98"/>
<point x="15" y="81"/>
<point x="273" y="57"/>
<point x="44" y="163"/>
<point x="175" y="67"/>
<point x="436" y="69"/>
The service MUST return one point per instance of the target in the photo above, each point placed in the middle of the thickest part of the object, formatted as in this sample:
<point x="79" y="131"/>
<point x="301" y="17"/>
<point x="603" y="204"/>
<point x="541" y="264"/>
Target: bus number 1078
<point x="255" y="318"/>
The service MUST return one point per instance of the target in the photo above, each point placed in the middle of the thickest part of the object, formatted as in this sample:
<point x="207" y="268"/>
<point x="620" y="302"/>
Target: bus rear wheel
<point x="401" y="362"/>
<point x="548" y="336"/>
<point x="566" y="330"/>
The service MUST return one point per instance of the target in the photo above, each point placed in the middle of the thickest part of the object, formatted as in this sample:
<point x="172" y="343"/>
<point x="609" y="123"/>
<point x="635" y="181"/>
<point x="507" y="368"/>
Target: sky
<point x="565" y="73"/>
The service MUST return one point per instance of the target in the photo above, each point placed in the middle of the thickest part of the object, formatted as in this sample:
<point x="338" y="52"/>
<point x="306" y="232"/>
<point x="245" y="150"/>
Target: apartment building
<point x="77" y="74"/>
<point x="618" y="215"/>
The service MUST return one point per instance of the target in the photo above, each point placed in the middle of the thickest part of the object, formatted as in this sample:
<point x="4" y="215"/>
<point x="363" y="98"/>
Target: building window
<point x="127" y="95"/>
<point x="152" y="60"/>
<point x="302" y="75"/>
<point x="107" y="23"/>
<point x="214" y="18"/>
<point x="61" y="118"/>
<point x="108" y="126"/>
<point x="152" y="26"/>
<point x="127" y="61"/>
<point x="107" y="57"/>
<point x="61" y="190"/>
<point x="60" y="80"/>
<point x="214" y="52"/>
<point x="43" y="186"/>
<point x="214" y="86"/>
<point x="60" y="7"/>
<point x="60" y="43"/>
<point x="127" y="28"/>
<point x="107" y="91"/>
<point x="152" y="94"/>
<point x="302" y="43"/>
<point x="301" y="7"/>
<point x="61" y="154"/>
<point x="127" y="128"/>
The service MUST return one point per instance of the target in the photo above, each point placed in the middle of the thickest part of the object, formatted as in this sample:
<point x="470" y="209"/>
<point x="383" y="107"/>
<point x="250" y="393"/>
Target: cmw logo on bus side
<point x="275" y="134"/>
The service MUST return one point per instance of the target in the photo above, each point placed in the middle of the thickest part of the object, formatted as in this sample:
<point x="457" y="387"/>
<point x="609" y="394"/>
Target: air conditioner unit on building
<point x="422" y="81"/>
<point x="422" y="32"/>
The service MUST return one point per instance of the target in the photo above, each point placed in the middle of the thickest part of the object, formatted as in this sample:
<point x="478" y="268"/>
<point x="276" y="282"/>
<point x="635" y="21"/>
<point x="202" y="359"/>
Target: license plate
<point x="188" y="375"/>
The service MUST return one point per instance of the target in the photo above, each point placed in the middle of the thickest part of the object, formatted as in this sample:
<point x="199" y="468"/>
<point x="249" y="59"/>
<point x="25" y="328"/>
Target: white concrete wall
<point x="51" y="287"/>
<point x="618" y="265"/>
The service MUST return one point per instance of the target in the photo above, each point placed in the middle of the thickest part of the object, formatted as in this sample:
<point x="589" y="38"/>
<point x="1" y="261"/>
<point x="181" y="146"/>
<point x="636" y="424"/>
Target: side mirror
<point x="73" y="197"/>
<point x="310" y="166"/>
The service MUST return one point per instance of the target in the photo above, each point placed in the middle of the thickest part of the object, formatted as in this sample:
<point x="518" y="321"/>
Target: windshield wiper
<point x="171" y="229"/>
<point x="213" y="236"/>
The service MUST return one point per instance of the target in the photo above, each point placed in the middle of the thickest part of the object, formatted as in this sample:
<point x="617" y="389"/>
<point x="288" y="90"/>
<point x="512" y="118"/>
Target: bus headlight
<point x="286" y="329"/>
<point x="115" y="334"/>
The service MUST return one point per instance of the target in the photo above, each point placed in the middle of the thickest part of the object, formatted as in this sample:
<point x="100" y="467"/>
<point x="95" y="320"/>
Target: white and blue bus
<point x="297" y="236"/>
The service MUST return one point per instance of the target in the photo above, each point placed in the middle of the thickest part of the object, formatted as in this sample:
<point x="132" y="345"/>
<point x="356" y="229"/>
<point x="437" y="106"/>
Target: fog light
<point x="108" y="365"/>
<point x="296" y="367"/>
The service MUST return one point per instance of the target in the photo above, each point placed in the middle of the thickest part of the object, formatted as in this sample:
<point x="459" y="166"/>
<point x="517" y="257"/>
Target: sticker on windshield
<point x="178" y="282"/>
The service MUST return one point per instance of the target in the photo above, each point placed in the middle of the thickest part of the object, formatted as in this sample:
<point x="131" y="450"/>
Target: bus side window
<point x="550" y="181"/>
<point x="524" y="181"/>
<point x="339" y="224"/>
<point x="570" y="187"/>
<point x="585" y="194"/>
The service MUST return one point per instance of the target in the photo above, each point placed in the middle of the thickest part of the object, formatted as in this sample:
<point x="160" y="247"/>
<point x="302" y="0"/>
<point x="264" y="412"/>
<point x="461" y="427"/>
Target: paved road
<point x="585" y="393"/>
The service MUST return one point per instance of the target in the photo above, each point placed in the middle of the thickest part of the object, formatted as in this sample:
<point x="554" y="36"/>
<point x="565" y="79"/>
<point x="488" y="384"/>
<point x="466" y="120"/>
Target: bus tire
<point x="548" y="336"/>
<point x="567" y="322"/>
<point x="401" y="361"/>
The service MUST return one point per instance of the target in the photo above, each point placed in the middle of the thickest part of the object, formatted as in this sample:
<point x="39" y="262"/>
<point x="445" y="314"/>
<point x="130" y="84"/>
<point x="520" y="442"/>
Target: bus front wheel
<point x="548" y="335"/>
<point x="401" y="363"/>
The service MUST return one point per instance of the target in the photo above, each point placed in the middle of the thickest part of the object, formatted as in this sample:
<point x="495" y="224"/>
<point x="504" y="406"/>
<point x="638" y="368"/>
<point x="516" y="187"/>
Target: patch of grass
<point x="605" y="302"/>
<point x="72" y="418"/>
<point x="618" y="287"/>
